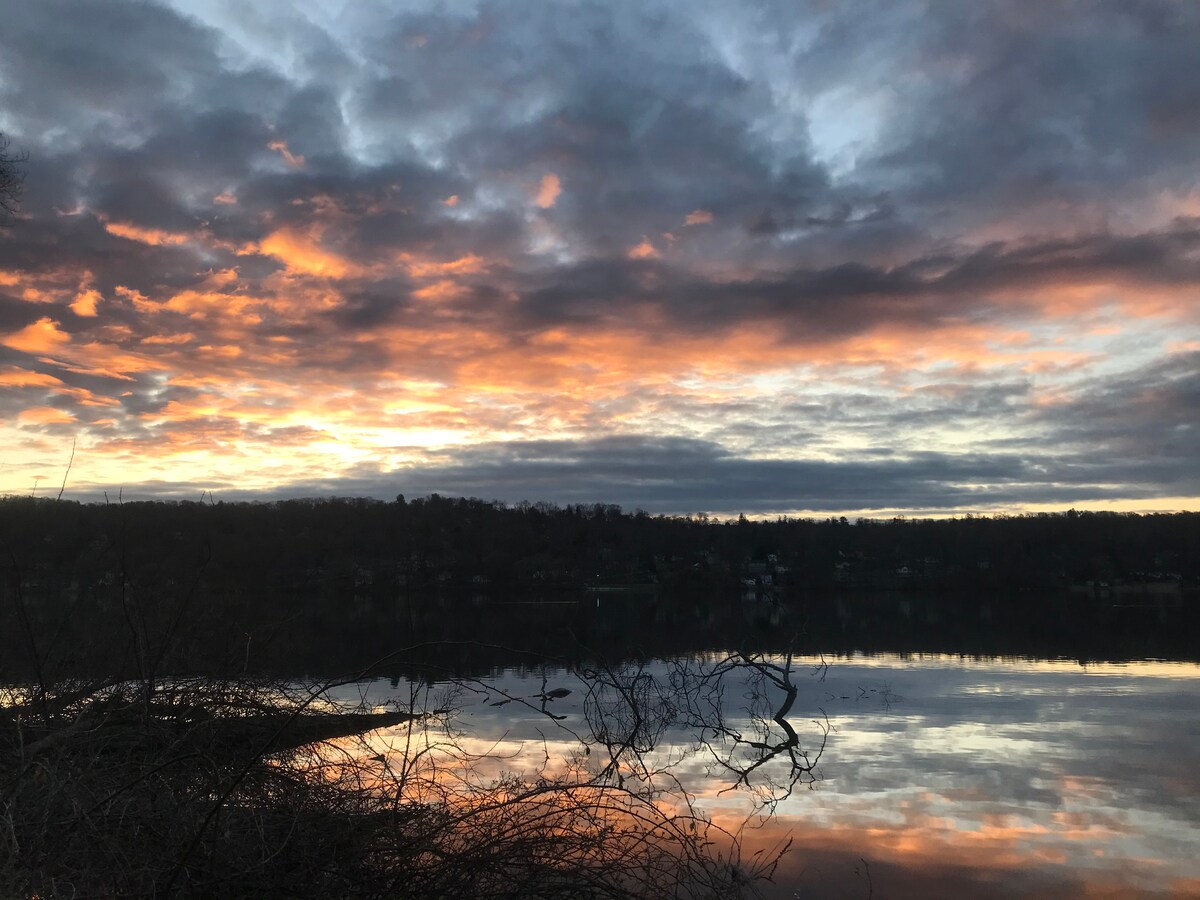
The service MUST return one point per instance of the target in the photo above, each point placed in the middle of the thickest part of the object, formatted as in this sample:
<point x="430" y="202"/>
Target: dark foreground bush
<point x="237" y="789"/>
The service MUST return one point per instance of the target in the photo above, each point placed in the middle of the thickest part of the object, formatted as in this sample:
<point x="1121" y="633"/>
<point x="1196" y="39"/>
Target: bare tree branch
<point x="12" y="179"/>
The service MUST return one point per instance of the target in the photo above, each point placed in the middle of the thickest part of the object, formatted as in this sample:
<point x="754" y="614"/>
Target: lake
<point x="913" y="745"/>
<point x="932" y="775"/>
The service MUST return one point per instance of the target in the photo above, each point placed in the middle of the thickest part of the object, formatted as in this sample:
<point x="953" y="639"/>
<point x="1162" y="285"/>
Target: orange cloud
<point x="26" y="378"/>
<point x="151" y="236"/>
<point x="464" y="265"/>
<point x="84" y="397"/>
<point x="281" y="147"/>
<point x="33" y="295"/>
<point x="43" y="336"/>
<point x="44" y="415"/>
<point x="644" y="250"/>
<point x="202" y="304"/>
<point x="225" y="199"/>
<point x="452" y="200"/>
<point x="110" y="361"/>
<point x="222" y="277"/>
<point x="302" y="253"/>
<point x="181" y="338"/>
<point x="443" y="289"/>
<point x="626" y="365"/>
<point x="548" y="191"/>
<point x="225" y="351"/>
<point x="85" y="302"/>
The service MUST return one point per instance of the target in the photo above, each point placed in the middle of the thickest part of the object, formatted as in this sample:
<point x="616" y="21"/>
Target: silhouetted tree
<point x="11" y="179"/>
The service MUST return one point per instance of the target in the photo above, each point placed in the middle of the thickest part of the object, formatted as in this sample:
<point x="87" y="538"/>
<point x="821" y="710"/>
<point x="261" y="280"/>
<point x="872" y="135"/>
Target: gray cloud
<point x="676" y="475"/>
<point x="650" y="123"/>
<point x="1141" y="426"/>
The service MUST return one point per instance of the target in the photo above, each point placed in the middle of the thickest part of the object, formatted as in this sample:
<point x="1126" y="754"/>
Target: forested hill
<point x="438" y="543"/>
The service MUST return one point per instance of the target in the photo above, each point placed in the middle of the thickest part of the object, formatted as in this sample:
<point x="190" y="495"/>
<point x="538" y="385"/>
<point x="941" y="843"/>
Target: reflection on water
<point x="922" y="776"/>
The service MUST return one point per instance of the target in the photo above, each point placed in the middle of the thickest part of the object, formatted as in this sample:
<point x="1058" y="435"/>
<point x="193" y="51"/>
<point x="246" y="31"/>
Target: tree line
<point x="357" y="545"/>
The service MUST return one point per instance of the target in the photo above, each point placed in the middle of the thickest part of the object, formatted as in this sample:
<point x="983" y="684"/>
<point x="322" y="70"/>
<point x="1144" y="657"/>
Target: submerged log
<point x="309" y="728"/>
<point x="195" y="727"/>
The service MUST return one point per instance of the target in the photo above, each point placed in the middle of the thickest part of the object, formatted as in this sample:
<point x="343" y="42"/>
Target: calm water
<point x="940" y="776"/>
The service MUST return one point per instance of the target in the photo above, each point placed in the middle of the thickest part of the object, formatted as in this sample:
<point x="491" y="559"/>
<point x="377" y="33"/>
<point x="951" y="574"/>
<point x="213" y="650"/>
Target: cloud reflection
<point x="942" y="775"/>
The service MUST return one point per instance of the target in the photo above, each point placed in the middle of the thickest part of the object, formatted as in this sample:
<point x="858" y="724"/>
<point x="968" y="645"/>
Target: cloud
<point x="674" y="475"/>
<point x="43" y="336"/>
<point x="1139" y="425"/>
<point x="548" y="191"/>
<point x="45" y="415"/>
<point x="303" y="253"/>
<point x="281" y="147"/>
<point x="150" y="236"/>
<point x="643" y="250"/>
<point x="85" y="303"/>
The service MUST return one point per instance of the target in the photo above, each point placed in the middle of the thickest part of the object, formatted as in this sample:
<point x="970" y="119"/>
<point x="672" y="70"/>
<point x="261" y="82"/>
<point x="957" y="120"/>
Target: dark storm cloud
<point x="214" y="146"/>
<point x="15" y="313"/>
<point x="380" y="303"/>
<point x="134" y="108"/>
<point x="630" y="106"/>
<point x="852" y="297"/>
<point x="645" y="106"/>
<point x="650" y="123"/>
<point x="677" y="475"/>
<point x="1050" y="101"/>
<point x="80" y="244"/>
<point x="639" y="104"/>
<point x="71" y="68"/>
<point x="1143" y="426"/>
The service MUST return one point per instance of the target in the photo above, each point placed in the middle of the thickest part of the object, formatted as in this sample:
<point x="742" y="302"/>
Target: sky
<point x="804" y="257"/>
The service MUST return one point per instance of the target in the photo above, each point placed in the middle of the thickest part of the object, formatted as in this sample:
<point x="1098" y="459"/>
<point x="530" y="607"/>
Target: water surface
<point x="934" y="775"/>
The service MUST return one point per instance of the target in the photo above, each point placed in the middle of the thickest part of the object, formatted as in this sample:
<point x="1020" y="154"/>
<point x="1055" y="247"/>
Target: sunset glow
<point x="763" y="260"/>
